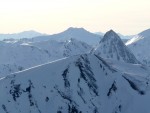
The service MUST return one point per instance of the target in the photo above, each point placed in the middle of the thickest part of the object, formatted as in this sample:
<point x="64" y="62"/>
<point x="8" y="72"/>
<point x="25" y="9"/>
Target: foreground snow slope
<point x="79" y="84"/>
<point x="112" y="47"/>
<point x="140" y="46"/>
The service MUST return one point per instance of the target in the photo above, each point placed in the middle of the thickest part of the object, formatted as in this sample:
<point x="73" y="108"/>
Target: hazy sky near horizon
<point x="52" y="16"/>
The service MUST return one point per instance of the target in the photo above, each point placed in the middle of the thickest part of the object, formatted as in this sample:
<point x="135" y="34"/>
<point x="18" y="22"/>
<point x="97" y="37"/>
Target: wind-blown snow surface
<point x="79" y="84"/>
<point x="17" y="56"/>
<point x="140" y="46"/>
<point x="76" y="33"/>
<point x="112" y="47"/>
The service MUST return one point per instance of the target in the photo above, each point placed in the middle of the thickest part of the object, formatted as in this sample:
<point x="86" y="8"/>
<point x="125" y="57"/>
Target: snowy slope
<point x="16" y="57"/>
<point x="24" y="34"/>
<point x="60" y="49"/>
<point x="75" y="33"/>
<point x="19" y="55"/>
<point x="112" y="47"/>
<point x="128" y="68"/>
<point x="79" y="84"/>
<point x="140" y="46"/>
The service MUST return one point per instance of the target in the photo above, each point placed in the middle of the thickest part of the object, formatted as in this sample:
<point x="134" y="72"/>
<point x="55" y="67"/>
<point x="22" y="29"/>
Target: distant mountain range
<point x="75" y="33"/>
<point x="72" y="33"/>
<point x="24" y="34"/>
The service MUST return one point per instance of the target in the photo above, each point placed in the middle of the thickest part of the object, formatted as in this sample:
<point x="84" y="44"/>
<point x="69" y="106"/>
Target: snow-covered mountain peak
<point x="76" y="33"/>
<point x="73" y="29"/>
<point x="112" y="47"/>
<point x="111" y="36"/>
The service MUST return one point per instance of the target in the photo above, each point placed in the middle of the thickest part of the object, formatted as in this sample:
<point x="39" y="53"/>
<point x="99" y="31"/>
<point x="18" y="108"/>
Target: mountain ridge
<point x="82" y="83"/>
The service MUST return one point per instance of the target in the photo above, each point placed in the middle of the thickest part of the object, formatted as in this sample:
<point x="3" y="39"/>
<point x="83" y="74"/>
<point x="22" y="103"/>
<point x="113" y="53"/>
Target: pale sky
<point x="52" y="16"/>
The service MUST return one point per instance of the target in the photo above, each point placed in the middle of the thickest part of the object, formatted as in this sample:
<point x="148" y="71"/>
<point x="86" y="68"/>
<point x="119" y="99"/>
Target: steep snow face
<point x="79" y="84"/>
<point x="19" y="55"/>
<point x="139" y="45"/>
<point x="24" y="34"/>
<point x="76" y="33"/>
<point x="112" y="47"/>
<point x="128" y="68"/>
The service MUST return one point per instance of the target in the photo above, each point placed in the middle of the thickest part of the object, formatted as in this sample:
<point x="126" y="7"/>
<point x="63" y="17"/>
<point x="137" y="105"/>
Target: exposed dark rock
<point x="134" y="86"/>
<point x="86" y="73"/>
<point x="66" y="81"/>
<point x="4" y="108"/>
<point x="113" y="88"/>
